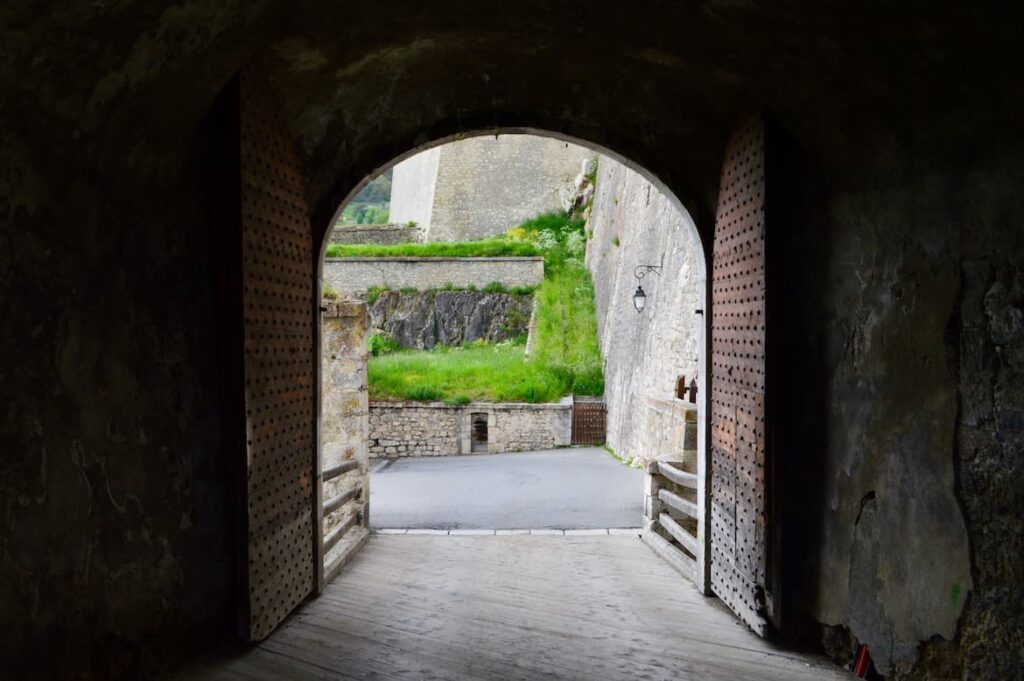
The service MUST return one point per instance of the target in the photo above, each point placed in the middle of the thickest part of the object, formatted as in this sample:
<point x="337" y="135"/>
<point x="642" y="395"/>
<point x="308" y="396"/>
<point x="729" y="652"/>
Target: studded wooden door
<point x="277" y="301"/>
<point x="739" y="536"/>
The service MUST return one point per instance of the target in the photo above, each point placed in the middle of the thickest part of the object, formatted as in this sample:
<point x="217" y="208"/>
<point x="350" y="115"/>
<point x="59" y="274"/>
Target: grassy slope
<point x="566" y="357"/>
<point x="439" y="249"/>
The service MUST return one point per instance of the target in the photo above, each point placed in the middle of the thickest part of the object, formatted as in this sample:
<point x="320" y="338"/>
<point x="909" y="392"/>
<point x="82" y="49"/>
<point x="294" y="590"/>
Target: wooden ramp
<point x="513" y="607"/>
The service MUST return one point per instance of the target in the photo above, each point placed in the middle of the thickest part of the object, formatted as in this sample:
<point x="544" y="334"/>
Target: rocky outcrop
<point x="425" y="319"/>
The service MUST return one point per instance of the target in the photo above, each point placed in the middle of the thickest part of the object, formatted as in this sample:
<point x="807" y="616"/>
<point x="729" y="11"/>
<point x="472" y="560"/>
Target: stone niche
<point x="406" y="429"/>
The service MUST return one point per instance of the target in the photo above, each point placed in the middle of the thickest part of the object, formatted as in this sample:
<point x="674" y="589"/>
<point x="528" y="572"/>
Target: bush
<point x="382" y="345"/>
<point x="423" y="393"/>
<point x="374" y="293"/>
<point x="329" y="293"/>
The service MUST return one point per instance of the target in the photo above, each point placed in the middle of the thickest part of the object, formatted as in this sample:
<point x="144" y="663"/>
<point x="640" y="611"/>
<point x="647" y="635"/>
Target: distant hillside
<point x="370" y="206"/>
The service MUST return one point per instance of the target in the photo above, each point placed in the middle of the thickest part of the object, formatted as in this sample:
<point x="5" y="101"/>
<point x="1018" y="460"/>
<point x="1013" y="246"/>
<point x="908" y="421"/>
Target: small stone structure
<point x="482" y="186"/>
<point x="384" y="235"/>
<point x="423" y="320"/>
<point x="358" y="275"/>
<point x="343" y="430"/>
<point x="402" y="429"/>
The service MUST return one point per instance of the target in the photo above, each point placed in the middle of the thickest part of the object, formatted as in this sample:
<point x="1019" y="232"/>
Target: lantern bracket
<point x="640" y="270"/>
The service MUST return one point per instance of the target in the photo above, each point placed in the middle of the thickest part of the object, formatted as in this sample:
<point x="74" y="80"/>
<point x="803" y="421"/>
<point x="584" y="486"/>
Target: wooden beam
<point x="688" y="541"/>
<point x="335" y="503"/>
<point x="675" y="558"/>
<point x="344" y="552"/>
<point x="676" y="475"/>
<point x="677" y="502"/>
<point x="338" y="531"/>
<point x="340" y="469"/>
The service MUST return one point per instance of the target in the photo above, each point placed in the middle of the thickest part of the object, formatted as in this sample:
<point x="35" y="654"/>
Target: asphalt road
<point x="579" y="488"/>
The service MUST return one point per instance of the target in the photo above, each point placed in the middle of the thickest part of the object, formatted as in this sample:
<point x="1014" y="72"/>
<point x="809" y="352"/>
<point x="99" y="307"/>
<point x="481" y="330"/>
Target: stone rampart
<point x="401" y="429"/>
<point x="632" y="223"/>
<point x="384" y="235"/>
<point x="482" y="186"/>
<point x="358" y="275"/>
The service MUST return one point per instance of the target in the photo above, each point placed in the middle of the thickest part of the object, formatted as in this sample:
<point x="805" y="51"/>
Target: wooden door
<point x="279" y="355"/>
<point x="739" y="535"/>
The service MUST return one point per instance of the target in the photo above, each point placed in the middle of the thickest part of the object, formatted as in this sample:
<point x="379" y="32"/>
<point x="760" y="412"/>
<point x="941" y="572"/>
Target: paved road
<point x="577" y="488"/>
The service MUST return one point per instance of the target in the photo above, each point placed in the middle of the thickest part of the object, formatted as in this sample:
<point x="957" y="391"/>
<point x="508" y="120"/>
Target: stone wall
<point x="423" y="320"/>
<point x="900" y="290"/>
<point x="632" y="223"/>
<point x="412" y="188"/>
<point x="345" y="406"/>
<point x="357" y="275"/>
<point x="480" y="187"/>
<point x="376" y="234"/>
<point x="400" y="429"/>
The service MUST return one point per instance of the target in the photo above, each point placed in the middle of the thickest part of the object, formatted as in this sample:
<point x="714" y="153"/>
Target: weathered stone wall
<point x="384" y="235"/>
<point x="423" y="320"/>
<point x="899" y="284"/>
<point x="633" y="223"/>
<point x="437" y="429"/>
<point x="412" y="188"/>
<point x="357" y="275"/>
<point x="484" y="185"/>
<point x="344" y="399"/>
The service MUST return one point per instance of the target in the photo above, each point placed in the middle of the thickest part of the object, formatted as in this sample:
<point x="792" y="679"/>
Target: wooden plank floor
<point x="512" y="607"/>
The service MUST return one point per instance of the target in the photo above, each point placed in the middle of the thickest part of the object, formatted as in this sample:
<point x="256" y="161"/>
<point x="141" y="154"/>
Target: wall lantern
<point x="639" y="297"/>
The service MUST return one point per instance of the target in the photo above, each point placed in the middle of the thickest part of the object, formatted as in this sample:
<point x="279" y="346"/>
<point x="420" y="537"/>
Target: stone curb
<point x="539" y="532"/>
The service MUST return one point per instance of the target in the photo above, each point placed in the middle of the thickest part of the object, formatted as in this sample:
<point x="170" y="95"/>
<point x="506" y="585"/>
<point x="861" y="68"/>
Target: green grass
<point x="496" y="373"/>
<point x="566" y="355"/>
<point x="440" y="249"/>
<point x="373" y="293"/>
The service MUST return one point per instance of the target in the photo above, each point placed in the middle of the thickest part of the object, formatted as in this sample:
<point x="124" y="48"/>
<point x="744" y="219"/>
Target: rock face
<point x="423" y="320"/>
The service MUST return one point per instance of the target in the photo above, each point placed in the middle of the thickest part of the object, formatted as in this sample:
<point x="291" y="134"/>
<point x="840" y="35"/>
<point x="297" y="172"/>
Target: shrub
<point x="374" y="293"/>
<point x="423" y="393"/>
<point x="382" y="345"/>
<point x="330" y="293"/>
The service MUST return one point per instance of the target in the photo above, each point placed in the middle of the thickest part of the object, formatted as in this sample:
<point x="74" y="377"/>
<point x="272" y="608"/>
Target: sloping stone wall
<point x="400" y="429"/>
<point x="423" y="320"/>
<point x="482" y="186"/>
<point x="631" y="224"/>
<point x="412" y="188"/>
<point x="384" y="235"/>
<point x="358" y="275"/>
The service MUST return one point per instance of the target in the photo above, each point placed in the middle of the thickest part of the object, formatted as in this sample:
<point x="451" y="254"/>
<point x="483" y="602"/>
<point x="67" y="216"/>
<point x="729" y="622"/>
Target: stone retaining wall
<point x="385" y="235"/>
<point x="401" y="429"/>
<point x="357" y="275"/>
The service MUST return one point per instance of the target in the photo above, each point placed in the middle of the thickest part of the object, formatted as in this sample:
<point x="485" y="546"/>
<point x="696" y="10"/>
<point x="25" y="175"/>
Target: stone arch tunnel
<point x="894" y="158"/>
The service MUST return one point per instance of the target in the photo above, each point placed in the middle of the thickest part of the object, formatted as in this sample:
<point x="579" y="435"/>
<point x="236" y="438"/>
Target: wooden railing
<point x="347" y="510"/>
<point x="669" y="515"/>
